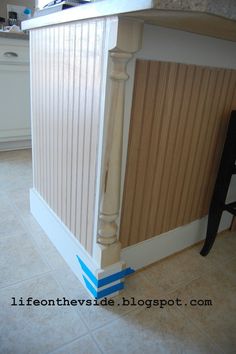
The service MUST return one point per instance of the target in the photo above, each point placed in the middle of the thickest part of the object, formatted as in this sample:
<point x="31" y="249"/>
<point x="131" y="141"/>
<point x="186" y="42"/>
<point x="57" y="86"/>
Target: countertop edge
<point x="88" y="11"/>
<point x="119" y="7"/>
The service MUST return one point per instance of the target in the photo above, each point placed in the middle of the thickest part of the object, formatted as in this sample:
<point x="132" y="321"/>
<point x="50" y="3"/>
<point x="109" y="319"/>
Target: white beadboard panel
<point x="68" y="76"/>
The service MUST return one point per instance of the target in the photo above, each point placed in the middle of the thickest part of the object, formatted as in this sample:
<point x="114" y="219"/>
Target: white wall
<point x="165" y="44"/>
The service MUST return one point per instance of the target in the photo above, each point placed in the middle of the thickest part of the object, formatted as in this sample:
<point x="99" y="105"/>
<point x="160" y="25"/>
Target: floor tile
<point x="223" y="249"/>
<point x="19" y="258"/>
<point x="16" y="170"/>
<point x="22" y="168"/>
<point x="10" y="224"/>
<point x="7" y="213"/>
<point x="30" y="223"/>
<point x="20" y="199"/>
<point x="9" y="183"/>
<point x="8" y="218"/>
<point x="96" y="316"/>
<point x="153" y="331"/>
<point x="36" y="329"/>
<point x="219" y="319"/>
<point x="18" y="155"/>
<point x="27" y="260"/>
<point x="47" y="249"/>
<point x="171" y="273"/>
<point x="84" y="345"/>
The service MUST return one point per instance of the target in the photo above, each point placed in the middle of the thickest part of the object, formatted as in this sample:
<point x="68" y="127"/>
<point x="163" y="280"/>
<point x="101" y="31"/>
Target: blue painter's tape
<point x="104" y="281"/>
<point x="114" y="277"/>
<point x="88" y="272"/>
<point x="108" y="291"/>
<point x="90" y="287"/>
<point x="105" y="292"/>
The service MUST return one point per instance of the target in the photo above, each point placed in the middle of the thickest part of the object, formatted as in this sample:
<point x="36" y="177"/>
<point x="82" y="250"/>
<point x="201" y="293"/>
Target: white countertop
<point x="207" y="17"/>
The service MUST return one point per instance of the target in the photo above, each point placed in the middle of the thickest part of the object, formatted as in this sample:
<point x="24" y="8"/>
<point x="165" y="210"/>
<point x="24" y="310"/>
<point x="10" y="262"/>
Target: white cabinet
<point x="14" y="94"/>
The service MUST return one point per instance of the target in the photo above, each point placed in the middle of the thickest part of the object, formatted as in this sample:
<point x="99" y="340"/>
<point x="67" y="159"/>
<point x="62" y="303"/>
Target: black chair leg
<point x="214" y="217"/>
<point x="226" y="170"/>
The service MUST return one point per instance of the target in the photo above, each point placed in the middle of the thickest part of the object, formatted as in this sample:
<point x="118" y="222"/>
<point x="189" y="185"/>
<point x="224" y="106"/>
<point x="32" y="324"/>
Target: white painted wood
<point x="68" y="80"/>
<point x="156" y="248"/>
<point x="128" y="41"/>
<point x="205" y="16"/>
<point x="13" y="53"/>
<point x="94" y="10"/>
<point x="116" y="84"/>
<point x="15" y="144"/>
<point x="136" y="257"/>
<point x="14" y="94"/>
<point x="59" y="234"/>
<point x="67" y="245"/>
<point x="165" y="44"/>
<point x="110" y="200"/>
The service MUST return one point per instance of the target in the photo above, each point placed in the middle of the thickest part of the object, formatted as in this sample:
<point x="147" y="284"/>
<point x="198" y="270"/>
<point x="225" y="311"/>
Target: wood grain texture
<point x="178" y="124"/>
<point x="68" y="78"/>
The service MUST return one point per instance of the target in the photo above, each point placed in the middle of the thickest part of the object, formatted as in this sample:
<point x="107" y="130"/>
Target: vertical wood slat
<point x="134" y="142"/>
<point x="67" y="71"/>
<point x="178" y="124"/>
<point x="221" y="134"/>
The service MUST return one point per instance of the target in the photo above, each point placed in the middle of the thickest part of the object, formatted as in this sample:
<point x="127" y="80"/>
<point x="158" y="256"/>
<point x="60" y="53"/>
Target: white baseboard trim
<point x="15" y="145"/>
<point x="150" y="251"/>
<point x="98" y="282"/>
<point x="108" y="282"/>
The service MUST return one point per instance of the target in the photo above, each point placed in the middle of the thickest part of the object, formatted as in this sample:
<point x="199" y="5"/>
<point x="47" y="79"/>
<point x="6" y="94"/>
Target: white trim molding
<point x="109" y="281"/>
<point x="98" y="282"/>
<point x="128" y="41"/>
<point x="156" y="248"/>
<point x="15" y="145"/>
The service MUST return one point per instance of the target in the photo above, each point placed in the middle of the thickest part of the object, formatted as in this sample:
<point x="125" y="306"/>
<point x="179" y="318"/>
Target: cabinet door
<point x="14" y="102"/>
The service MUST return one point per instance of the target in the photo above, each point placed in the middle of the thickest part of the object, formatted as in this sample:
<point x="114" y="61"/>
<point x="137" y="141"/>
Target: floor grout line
<point x="32" y="238"/>
<point x="91" y="332"/>
<point x="40" y="275"/>
<point x="201" y="331"/>
<point x="55" y="351"/>
<point x="97" y="344"/>
<point x="68" y="295"/>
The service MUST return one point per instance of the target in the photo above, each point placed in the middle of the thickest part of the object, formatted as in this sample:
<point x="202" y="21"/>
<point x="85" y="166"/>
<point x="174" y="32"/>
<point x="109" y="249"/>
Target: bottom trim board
<point x="158" y="247"/>
<point x="15" y="145"/>
<point x="98" y="282"/>
<point x="109" y="281"/>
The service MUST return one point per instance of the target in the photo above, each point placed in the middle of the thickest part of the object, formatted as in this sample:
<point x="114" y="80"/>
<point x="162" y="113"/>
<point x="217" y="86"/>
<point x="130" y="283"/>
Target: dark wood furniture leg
<point x="226" y="170"/>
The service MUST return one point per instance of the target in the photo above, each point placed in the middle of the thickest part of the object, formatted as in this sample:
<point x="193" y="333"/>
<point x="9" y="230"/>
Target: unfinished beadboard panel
<point x="178" y="124"/>
<point x="68" y="81"/>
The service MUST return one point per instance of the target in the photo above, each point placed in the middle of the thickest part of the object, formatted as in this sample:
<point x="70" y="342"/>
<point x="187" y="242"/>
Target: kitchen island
<point x="130" y="106"/>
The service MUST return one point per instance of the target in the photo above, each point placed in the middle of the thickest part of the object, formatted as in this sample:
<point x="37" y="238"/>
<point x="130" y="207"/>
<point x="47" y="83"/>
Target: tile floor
<point x="31" y="267"/>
